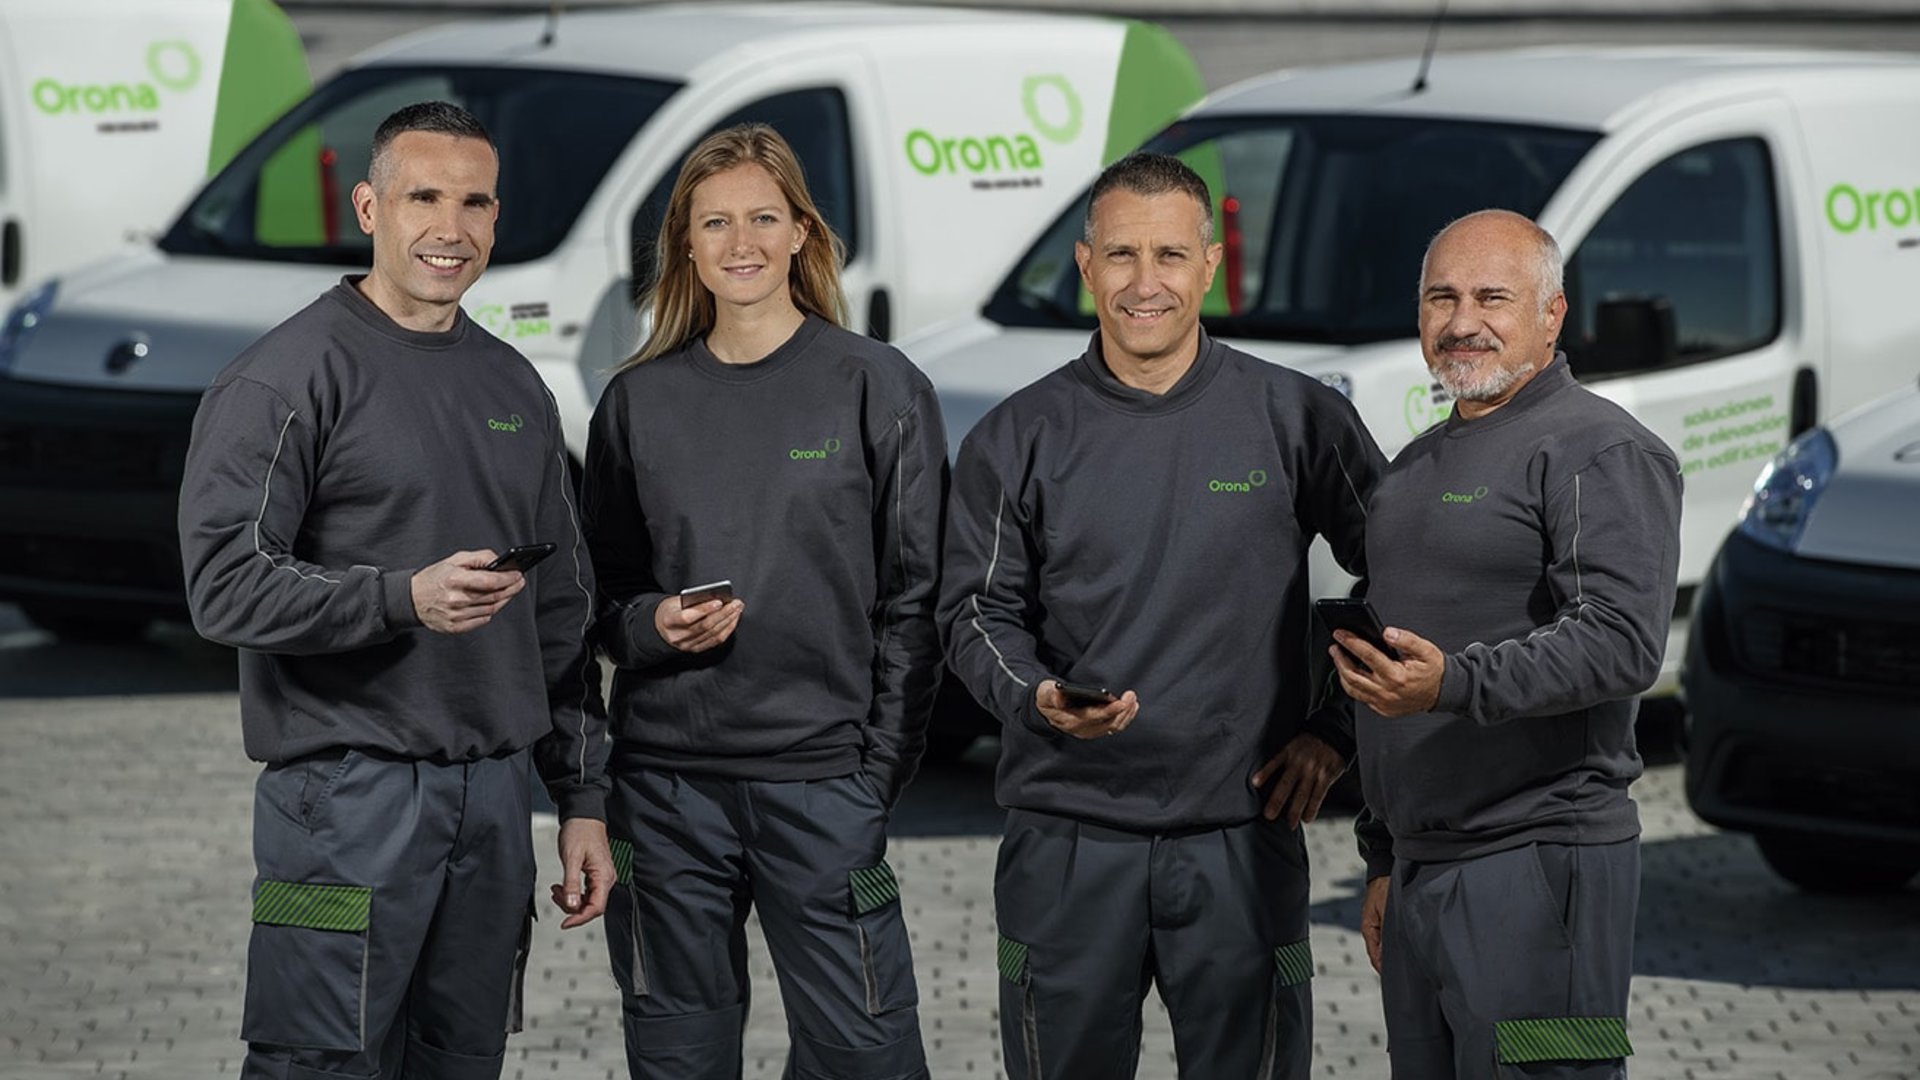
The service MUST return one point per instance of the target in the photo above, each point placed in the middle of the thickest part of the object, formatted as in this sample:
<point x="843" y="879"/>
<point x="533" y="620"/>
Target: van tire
<point x="84" y="622"/>
<point x="1828" y="865"/>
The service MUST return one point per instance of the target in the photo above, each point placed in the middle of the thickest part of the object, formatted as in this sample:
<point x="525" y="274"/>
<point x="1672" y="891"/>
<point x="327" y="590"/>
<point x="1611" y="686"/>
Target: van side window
<point x="814" y="123"/>
<point x="1683" y="268"/>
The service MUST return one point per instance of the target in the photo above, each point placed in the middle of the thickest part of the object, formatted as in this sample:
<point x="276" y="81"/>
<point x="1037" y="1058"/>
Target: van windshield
<point x="287" y="196"/>
<point x="1324" y="219"/>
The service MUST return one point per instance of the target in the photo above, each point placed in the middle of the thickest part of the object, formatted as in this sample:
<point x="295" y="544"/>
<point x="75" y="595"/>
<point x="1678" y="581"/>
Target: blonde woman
<point x="762" y="734"/>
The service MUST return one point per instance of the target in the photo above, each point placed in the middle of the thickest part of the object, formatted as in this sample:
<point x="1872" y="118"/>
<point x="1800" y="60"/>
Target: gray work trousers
<point x="694" y="855"/>
<point x="1089" y="916"/>
<point x="1514" y="964"/>
<point x="392" y="913"/>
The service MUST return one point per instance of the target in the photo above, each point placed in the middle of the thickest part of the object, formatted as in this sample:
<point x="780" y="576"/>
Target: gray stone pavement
<point x="124" y="802"/>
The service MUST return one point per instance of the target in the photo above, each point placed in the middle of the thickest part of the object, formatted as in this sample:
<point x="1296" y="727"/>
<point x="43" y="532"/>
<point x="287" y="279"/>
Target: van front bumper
<point x="89" y="489"/>
<point x="1802" y="683"/>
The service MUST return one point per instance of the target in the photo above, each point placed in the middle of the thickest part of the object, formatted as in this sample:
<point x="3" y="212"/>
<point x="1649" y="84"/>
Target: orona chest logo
<point x="1468" y="497"/>
<point x="510" y="425"/>
<point x="831" y="446"/>
<point x="1255" y="479"/>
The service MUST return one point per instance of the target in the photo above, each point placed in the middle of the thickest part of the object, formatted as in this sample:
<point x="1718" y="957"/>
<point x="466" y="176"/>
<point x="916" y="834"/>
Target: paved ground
<point x="123" y="909"/>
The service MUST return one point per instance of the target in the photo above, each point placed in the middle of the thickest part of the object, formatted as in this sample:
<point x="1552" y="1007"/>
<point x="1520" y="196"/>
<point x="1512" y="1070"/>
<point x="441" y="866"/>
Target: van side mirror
<point x="1630" y="333"/>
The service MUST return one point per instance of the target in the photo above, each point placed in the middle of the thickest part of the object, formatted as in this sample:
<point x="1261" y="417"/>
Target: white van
<point x="1742" y="232"/>
<point x="113" y="111"/>
<point x="936" y="142"/>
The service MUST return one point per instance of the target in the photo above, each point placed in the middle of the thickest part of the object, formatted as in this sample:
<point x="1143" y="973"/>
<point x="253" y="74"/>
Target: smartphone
<point x="1357" y="617"/>
<point x="1080" y="697"/>
<point x="695" y="595"/>
<point x="523" y="557"/>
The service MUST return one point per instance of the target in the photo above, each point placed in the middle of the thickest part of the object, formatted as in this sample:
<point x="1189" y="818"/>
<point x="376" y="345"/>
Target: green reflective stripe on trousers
<point x="1295" y="962"/>
<point x="873" y="888"/>
<point x="1013" y="960"/>
<point x="622" y="861"/>
<point x="315" y="907"/>
<point x="1561" y="1038"/>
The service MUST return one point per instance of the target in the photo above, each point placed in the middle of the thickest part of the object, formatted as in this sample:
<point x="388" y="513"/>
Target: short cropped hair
<point x="1549" y="266"/>
<point x="438" y="117"/>
<point x="1144" y="173"/>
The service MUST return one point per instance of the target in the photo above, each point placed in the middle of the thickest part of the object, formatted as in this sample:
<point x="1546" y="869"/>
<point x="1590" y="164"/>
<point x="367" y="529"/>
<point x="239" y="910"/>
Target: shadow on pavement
<point x="1711" y="910"/>
<point x="168" y="659"/>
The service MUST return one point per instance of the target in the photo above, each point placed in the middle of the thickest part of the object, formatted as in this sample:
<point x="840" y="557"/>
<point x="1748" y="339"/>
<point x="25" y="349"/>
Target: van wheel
<point x="1836" y="866"/>
<point x="84" y="622"/>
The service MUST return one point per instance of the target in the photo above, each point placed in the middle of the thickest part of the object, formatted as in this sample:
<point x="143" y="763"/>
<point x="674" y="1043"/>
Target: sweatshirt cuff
<point x="1332" y="728"/>
<point x="396" y="599"/>
<point x="580" y="802"/>
<point x="1453" y="687"/>
<point x="1030" y="715"/>
<point x="1378" y="865"/>
<point x="646" y="648"/>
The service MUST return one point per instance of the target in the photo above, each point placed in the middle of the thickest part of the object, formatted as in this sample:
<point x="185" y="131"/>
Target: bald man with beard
<point x="1523" y="555"/>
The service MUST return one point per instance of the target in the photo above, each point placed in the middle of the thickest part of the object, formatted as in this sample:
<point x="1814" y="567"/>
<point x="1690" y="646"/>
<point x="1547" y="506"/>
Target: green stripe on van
<point x="315" y="907"/>
<point x="263" y="72"/>
<point x="1561" y="1038"/>
<point x="1156" y="82"/>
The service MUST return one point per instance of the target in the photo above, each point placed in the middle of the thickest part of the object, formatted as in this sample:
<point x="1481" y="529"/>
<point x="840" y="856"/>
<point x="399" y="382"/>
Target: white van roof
<point x="1589" y="88"/>
<point x="667" y="41"/>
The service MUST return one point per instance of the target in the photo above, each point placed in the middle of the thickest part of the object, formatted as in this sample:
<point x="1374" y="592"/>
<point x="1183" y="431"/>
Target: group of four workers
<point x="1138" y="519"/>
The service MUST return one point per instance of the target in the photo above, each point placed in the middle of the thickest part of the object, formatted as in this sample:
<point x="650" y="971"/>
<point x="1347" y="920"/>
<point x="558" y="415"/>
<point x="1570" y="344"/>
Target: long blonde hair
<point x="683" y="307"/>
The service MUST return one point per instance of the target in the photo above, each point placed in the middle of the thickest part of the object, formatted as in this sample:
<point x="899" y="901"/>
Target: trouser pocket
<point x="625" y="951"/>
<point x="307" y="966"/>
<point x="1569" y="1046"/>
<point x="517" y="989"/>
<point x="886" y="955"/>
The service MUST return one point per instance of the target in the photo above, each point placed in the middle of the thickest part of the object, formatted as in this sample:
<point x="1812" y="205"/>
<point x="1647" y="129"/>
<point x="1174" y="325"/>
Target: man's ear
<point x="363" y="202"/>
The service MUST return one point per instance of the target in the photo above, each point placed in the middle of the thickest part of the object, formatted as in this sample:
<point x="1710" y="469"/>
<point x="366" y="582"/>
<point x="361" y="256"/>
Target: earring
<point x="796" y="249"/>
<point x="689" y="254"/>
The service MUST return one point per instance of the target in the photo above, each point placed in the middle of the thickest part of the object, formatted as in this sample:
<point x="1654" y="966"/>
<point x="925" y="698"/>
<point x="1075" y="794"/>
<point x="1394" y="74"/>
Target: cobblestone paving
<point x="123" y="913"/>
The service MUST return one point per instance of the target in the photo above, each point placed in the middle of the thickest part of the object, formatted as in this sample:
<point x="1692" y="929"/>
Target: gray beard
<point x="1482" y="382"/>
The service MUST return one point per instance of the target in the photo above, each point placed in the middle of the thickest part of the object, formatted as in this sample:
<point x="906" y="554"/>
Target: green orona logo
<point x="831" y="446"/>
<point x="1849" y="208"/>
<point x="1456" y="497"/>
<point x="1051" y="105"/>
<point x="1256" y="478"/>
<point x="174" y="65"/>
<point x="510" y="424"/>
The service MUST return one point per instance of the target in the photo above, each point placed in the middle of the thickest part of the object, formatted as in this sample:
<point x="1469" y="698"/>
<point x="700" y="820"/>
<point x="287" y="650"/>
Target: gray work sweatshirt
<point x="333" y="459"/>
<point x="815" y="480"/>
<point x="1156" y="543"/>
<point x="1537" y="547"/>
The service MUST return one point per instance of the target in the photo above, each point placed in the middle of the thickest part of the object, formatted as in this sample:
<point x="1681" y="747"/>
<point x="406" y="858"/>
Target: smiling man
<point x="1139" y="520"/>
<point x="1532" y="539"/>
<point x="350" y="478"/>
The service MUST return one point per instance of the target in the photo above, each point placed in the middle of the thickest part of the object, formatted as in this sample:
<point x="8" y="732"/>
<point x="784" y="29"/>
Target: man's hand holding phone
<point x="1400" y="685"/>
<point x="701" y="617"/>
<point x="1081" y="711"/>
<point x="459" y="593"/>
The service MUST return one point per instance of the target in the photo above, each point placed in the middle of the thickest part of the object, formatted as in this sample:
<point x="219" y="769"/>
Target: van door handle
<point x="880" y="315"/>
<point x="1806" y="401"/>
<point x="9" y="253"/>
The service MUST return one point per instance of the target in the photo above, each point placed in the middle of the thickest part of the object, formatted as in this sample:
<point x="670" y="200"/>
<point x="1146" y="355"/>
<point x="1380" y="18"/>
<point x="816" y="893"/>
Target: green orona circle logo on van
<point x="831" y="446"/>
<point x="1255" y="479"/>
<point x="174" y="65"/>
<point x="1052" y="107"/>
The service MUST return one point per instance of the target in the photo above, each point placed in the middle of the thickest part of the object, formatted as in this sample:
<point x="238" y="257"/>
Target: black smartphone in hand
<point x="1078" y="696"/>
<point x="1356" y="617"/>
<point x="695" y="595"/>
<point x="522" y="557"/>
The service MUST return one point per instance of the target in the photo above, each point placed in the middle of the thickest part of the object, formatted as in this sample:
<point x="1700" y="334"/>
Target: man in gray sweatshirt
<point x="350" y="478"/>
<point x="1139" y="520"/>
<point x="1523" y="556"/>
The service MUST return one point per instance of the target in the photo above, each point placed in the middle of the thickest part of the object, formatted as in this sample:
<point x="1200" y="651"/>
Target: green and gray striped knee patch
<point x="873" y="888"/>
<point x="1561" y="1038"/>
<point x="622" y="861"/>
<point x="314" y="907"/>
<point x="1295" y="962"/>
<point x="1013" y="960"/>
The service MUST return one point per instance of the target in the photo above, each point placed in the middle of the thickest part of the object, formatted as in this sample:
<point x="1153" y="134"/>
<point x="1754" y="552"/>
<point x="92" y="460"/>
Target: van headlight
<point x="21" y="321"/>
<point x="1340" y="382"/>
<point x="1783" y="497"/>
